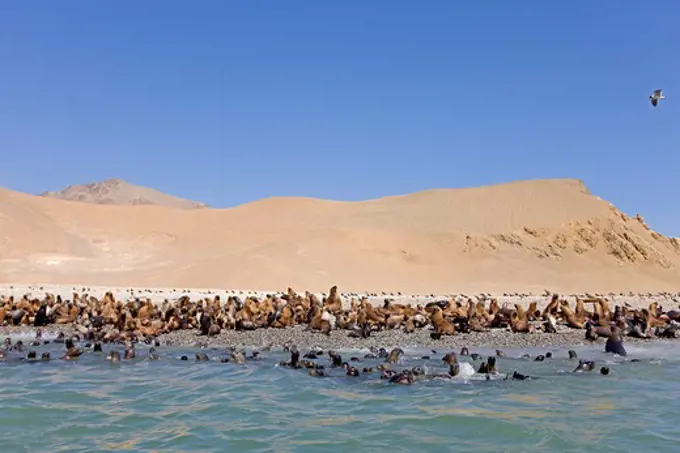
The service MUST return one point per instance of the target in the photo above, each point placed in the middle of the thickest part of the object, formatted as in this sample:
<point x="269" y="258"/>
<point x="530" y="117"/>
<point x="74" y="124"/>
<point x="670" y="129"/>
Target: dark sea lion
<point x="604" y="371"/>
<point x="382" y="353"/>
<point x="548" y="355"/>
<point x="32" y="355"/>
<point x="515" y="376"/>
<point x="130" y="353"/>
<point x="152" y="354"/>
<point x="352" y="371"/>
<point x="114" y="356"/>
<point x="227" y="360"/>
<point x="584" y="365"/>
<point x="387" y="374"/>
<point x="310" y="355"/>
<point x="614" y="344"/>
<point x="41" y="318"/>
<point x="425" y="357"/>
<point x="336" y="359"/>
<point x="539" y="358"/>
<point x="500" y="353"/>
<point x="403" y="378"/>
<point x="202" y="357"/>
<point x="184" y="358"/>
<point x="464" y="351"/>
<point x="354" y="359"/>
<point x="45" y="356"/>
<point x="572" y="354"/>
<point x="475" y="356"/>
<point x="97" y="347"/>
<point x="317" y="373"/>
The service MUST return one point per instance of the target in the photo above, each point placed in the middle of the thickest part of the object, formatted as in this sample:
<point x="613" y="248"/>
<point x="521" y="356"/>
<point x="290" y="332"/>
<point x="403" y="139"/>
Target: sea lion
<point x="114" y="356"/>
<point x="614" y="344"/>
<point x="584" y="365"/>
<point x="41" y="318"/>
<point x="572" y="354"/>
<point x="202" y="357"/>
<point x="72" y="353"/>
<point x="97" y="347"/>
<point x="464" y="351"/>
<point x="152" y="354"/>
<point x="604" y="370"/>
<point x="238" y="357"/>
<point x="352" y="371"/>
<point x="403" y="378"/>
<point x="45" y="356"/>
<point x="336" y="359"/>
<point x="394" y="355"/>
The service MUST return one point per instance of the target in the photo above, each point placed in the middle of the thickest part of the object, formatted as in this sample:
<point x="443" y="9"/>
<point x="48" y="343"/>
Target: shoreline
<point x="304" y="339"/>
<point x="157" y="295"/>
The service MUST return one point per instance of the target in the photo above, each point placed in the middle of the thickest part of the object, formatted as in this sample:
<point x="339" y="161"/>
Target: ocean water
<point x="92" y="405"/>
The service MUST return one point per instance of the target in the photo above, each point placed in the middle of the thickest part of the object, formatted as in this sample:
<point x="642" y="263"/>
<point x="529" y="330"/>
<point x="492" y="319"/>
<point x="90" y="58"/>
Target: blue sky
<point x="230" y="101"/>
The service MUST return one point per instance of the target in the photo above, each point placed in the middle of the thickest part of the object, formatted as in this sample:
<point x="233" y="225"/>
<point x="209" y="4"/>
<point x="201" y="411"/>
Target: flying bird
<point x="656" y="97"/>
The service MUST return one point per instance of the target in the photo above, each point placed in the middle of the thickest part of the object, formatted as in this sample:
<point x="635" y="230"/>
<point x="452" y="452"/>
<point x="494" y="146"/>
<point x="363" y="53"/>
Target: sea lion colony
<point x="379" y="362"/>
<point x="111" y="320"/>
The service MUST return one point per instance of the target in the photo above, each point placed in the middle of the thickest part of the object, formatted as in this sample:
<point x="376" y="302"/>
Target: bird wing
<point x="654" y="102"/>
<point x="657" y="93"/>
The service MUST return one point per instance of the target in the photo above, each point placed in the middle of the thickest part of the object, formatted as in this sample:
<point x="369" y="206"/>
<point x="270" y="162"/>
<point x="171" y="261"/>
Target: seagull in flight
<point x="656" y="97"/>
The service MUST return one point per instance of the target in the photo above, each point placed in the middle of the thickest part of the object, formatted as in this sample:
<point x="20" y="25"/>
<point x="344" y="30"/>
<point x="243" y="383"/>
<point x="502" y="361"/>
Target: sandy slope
<point x="522" y="236"/>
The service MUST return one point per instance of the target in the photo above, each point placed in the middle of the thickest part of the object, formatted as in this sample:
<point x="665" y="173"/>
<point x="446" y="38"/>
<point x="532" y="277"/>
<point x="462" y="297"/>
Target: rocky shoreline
<point x="306" y="339"/>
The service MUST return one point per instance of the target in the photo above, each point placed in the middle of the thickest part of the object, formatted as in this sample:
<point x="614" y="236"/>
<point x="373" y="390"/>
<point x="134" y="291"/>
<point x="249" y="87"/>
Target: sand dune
<point x="522" y="236"/>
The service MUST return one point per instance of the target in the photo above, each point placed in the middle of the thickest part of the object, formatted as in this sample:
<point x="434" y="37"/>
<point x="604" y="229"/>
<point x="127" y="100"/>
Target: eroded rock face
<point x="118" y="192"/>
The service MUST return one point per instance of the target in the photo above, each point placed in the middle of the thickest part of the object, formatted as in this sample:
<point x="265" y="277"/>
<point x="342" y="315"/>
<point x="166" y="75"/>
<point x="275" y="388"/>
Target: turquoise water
<point x="170" y="405"/>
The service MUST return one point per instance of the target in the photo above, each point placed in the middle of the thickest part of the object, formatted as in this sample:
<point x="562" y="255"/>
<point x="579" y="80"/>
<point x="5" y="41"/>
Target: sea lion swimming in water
<point x="72" y="352"/>
<point x="604" y="370"/>
<point x="45" y="356"/>
<point x="152" y="354"/>
<point x="584" y="365"/>
<point x="572" y="354"/>
<point x="394" y="355"/>
<point x="202" y="357"/>
<point x="114" y="356"/>
<point x="403" y="378"/>
<point x="614" y="343"/>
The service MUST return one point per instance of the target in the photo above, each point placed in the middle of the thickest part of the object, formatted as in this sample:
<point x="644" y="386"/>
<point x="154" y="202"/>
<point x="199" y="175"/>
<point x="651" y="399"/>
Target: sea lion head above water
<point x="394" y="355"/>
<point x="403" y="378"/>
<point x="604" y="370"/>
<point x="45" y="356"/>
<point x="572" y="354"/>
<point x="202" y="357"/>
<point x="584" y="365"/>
<point x="464" y="351"/>
<point x="450" y="358"/>
<point x="114" y="356"/>
<point x="352" y="371"/>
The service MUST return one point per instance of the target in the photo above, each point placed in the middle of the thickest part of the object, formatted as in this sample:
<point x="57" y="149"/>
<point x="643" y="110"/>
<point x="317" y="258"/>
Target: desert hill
<point x="522" y="236"/>
<point x="117" y="192"/>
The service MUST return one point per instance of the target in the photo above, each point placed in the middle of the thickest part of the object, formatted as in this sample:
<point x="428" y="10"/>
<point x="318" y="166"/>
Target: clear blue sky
<point x="231" y="101"/>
